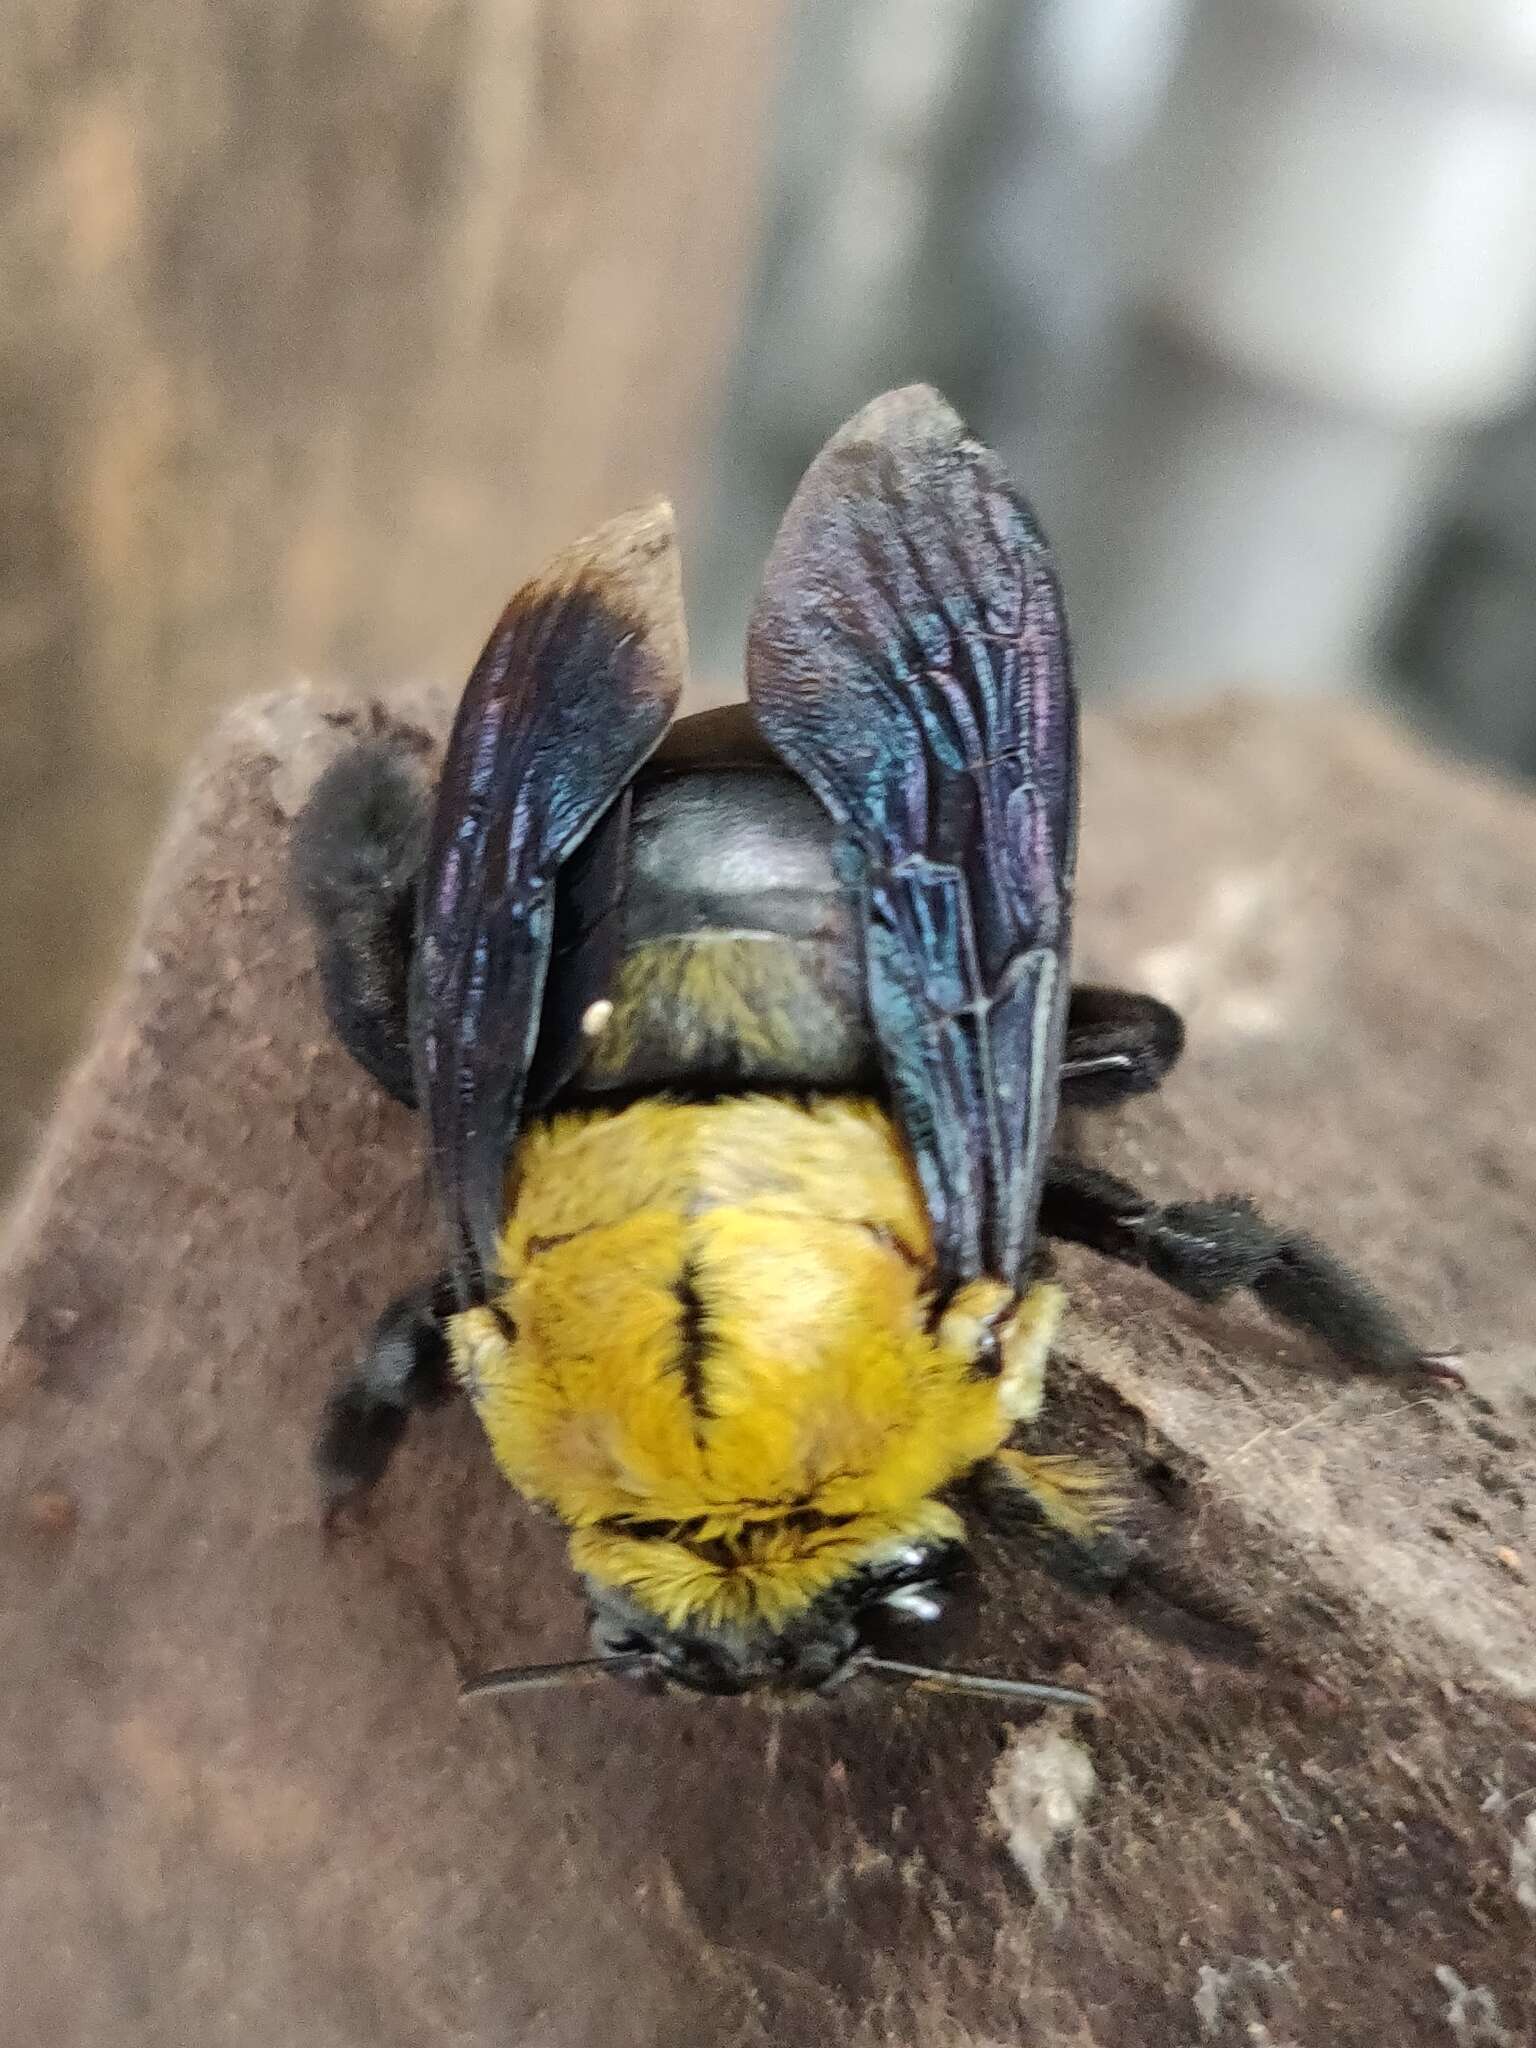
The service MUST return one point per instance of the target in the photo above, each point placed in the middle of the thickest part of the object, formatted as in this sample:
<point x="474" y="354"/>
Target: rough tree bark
<point x="322" y="320"/>
<point x="239" y="1802"/>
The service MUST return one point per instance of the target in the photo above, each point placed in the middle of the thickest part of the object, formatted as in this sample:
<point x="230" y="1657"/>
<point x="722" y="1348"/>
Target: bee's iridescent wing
<point x="576" y="686"/>
<point x="908" y="659"/>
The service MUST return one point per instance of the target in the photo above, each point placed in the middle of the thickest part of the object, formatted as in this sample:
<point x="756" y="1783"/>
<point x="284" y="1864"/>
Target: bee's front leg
<point x="403" y="1366"/>
<point x="1208" y="1249"/>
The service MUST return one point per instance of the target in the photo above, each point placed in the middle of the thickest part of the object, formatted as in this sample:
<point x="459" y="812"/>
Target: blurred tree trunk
<point x="322" y="319"/>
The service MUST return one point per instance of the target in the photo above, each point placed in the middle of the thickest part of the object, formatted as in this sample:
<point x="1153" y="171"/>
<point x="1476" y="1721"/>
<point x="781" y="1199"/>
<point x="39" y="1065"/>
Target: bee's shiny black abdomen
<point x="739" y="958"/>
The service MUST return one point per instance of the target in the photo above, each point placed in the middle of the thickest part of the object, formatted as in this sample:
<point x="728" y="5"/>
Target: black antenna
<point x="579" y="1670"/>
<point x="573" y="1671"/>
<point x="932" y="1680"/>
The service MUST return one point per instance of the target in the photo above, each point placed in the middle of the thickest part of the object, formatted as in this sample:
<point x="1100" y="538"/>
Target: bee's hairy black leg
<point x="404" y="1365"/>
<point x="358" y="846"/>
<point x="1119" y="1043"/>
<point x="1207" y="1249"/>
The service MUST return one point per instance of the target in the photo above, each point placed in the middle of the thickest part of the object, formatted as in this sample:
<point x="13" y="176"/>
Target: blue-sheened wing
<point x="908" y="659"/>
<point x="576" y="686"/>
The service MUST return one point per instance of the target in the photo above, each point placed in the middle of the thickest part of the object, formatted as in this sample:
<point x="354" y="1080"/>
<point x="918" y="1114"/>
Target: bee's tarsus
<point x="1209" y="1249"/>
<point x="1447" y="1368"/>
<point x="403" y="1366"/>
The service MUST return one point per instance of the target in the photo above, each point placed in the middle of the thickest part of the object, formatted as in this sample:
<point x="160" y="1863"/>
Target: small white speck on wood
<point x="1522" y="1865"/>
<point x="1042" y="1787"/>
<point x="1235" y="1994"/>
<point x="1472" y="2012"/>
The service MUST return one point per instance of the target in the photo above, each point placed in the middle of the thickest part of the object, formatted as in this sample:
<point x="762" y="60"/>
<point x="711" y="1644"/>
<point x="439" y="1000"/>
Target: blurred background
<point x="323" y="319"/>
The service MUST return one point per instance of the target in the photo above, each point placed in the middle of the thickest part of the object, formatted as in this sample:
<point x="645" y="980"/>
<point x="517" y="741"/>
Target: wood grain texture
<point x="238" y="1801"/>
<point x="323" y="320"/>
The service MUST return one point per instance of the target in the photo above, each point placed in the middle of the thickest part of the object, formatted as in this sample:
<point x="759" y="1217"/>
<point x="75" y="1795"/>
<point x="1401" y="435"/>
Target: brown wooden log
<point x="322" y="320"/>
<point x="237" y="1799"/>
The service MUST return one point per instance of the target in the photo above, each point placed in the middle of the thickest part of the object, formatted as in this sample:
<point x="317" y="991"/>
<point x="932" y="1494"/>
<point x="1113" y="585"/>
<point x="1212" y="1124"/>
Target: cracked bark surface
<point x="239" y="1800"/>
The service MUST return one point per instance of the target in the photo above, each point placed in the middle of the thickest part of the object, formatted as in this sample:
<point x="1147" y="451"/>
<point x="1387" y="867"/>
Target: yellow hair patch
<point x="1022" y="1331"/>
<point x="1071" y="1494"/>
<point x="704" y="995"/>
<point x="768" y="1574"/>
<point x="718" y="1315"/>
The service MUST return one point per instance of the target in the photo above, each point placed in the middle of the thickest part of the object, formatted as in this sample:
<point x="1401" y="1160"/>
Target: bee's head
<point x="881" y="1606"/>
<point x="873" y="1624"/>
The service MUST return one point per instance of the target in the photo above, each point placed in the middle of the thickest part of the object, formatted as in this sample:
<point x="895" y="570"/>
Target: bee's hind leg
<point x="1118" y="1044"/>
<point x="358" y="846"/>
<point x="1069" y="1510"/>
<point x="1208" y="1249"/>
<point x="403" y="1366"/>
<point x="1073" y="1497"/>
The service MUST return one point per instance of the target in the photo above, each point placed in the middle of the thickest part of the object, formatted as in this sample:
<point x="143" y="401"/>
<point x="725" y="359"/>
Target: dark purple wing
<point x="575" y="688"/>
<point x="908" y="658"/>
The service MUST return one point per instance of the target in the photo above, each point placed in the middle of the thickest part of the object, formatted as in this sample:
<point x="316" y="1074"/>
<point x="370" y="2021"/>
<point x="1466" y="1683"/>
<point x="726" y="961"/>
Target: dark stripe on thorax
<point x="691" y="1340"/>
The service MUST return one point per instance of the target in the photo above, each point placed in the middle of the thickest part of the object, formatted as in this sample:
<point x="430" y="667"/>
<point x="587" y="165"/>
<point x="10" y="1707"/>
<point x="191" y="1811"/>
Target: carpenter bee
<point x="739" y="1048"/>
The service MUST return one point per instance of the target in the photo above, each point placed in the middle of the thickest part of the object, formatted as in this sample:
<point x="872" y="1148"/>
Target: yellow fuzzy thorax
<point x="713" y="1324"/>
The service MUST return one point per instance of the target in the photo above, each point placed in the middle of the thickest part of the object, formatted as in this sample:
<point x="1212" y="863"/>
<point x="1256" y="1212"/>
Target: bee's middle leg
<point x="1119" y="1043"/>
<point x="1208" y="1249"/>
<point x="404" y="1365"/>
